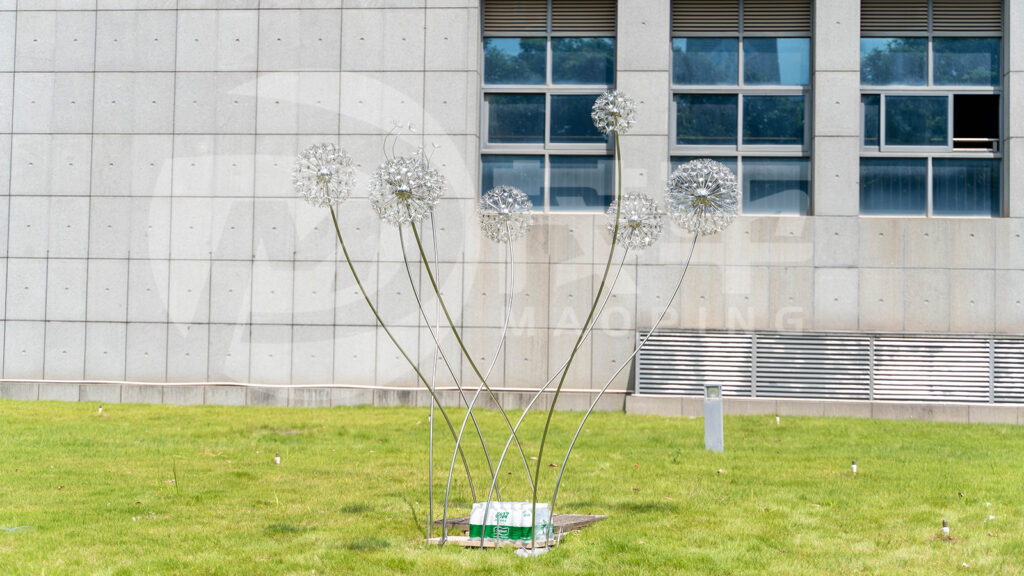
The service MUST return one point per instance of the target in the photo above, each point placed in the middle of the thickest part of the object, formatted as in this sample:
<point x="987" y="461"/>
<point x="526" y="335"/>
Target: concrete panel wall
<point x="150" y="231"/>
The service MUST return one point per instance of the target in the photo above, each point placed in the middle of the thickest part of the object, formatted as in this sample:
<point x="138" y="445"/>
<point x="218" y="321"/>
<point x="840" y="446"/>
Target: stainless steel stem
<point x="510" y="267"/>
<point x="465" y="351"/>
<point x="579" y="340"/>
<point x="415" y="368"/>
<point x="438" y="349"/>
<point x="540" y="392"/>
<point x="625" y="363"/>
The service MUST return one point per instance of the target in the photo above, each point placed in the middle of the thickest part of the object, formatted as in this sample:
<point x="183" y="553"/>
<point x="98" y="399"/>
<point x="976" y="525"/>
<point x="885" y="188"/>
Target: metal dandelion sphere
<point x="323" y="174"/>
<point x="613" y="112"/>
<point x="639" y="221"/>
<point x="405" y="189"/>
<point x="506" y="214"/>
<point x="702" y="196"/>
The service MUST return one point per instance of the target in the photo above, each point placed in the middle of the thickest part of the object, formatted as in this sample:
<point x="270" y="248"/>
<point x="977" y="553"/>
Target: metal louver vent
<point x="777" y="16"/>
<point x="814" y="366"/>
<point x="590" y="17"/>
<point x="515" y="17"/>
<point x="1008" y="371"/>
<point x="676" y="362"/>
<point x="882" y="16"/>
<point x="701" y="16"/>
<point x="949" y="369"/>
<point x="967" y="16"/>
<point x="840" y="366"/>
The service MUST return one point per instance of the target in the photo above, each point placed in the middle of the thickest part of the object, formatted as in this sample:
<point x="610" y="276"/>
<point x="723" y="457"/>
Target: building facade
<point x="151" y="233"/>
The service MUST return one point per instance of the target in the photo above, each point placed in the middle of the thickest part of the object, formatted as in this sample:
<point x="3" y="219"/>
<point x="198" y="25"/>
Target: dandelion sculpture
<point x="701" y="197"/>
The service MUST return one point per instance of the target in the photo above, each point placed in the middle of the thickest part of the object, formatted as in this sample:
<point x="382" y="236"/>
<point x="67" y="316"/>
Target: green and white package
<point x="508" y="521"/>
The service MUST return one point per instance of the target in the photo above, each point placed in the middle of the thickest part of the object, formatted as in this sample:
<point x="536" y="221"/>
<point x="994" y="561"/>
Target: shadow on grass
<point x="286" y="529"/>
<point x="366" y="543"/>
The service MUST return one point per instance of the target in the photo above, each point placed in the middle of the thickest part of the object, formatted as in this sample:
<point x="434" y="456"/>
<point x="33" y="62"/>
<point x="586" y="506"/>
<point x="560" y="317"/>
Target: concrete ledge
<point x="748" y="406"/>
<point x="19" y="391"/>
<point x="912" y="411"/>
<point x="184" y="395"/>
<point x="655" y="405"/>
<point x="346" y="397"/>
<point x="105" y="393"/>
<point x="310" y="398"/>
<point x="815" y="408"/>
<point x="693" y="407"/>
<point x="847" y="409"/>
<point x="266" y="397"/>
<point x="667" y="405"/>
<point x="136" y="394"/>
<point x="59" y="392"/>
<point x="989" y="414"/>
<point x="225" y="395"/>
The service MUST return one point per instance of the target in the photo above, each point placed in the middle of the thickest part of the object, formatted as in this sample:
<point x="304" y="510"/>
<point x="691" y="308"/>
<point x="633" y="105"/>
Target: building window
<point x="741" y="72"/>
<point x="931" y="103"/>
<point x="545" y="63"/>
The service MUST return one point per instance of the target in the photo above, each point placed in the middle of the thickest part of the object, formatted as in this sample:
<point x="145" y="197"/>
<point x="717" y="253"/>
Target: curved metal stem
<point x="542" y="389"/>
<point x="439" y="350"/>
<point x="462" y="345"/>
<point x="510" y="287"/>
<point x="579" y="340"/>
<point x="401" y="350"/>
<point x="625" y="363"/>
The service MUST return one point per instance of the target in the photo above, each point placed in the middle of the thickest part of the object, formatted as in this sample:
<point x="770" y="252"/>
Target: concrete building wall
<point x="151" y="232"/>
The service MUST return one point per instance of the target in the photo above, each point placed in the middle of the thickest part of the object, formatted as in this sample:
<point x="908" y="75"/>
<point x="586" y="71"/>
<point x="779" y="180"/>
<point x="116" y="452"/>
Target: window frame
<point x="950" y="91"/>
<point x="740" y="90"/>
<point x="547" y="149"/>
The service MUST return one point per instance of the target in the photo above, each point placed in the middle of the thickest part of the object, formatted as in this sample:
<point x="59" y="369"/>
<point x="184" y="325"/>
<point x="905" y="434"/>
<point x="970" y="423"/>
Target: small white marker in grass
<point x="945" y="528"/>
<point x="100" y="410"/>
<point x="776" y="420"/>
<point x="277" y="458"/>
<point x="854" y="467"/>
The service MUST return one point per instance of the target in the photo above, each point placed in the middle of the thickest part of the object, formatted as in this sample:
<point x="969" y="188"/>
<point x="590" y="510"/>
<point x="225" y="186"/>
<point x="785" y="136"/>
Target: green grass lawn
<point x="194" y="490"/>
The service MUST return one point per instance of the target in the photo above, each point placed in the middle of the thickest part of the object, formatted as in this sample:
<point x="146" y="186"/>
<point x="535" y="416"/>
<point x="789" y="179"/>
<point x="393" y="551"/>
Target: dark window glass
<point x="975" y="121"/>
<point x="777" y="61"/>
<point x="891" y="61"/>
<point x="705" y="61"/>
<point x="571" y="121"/>
<point x="966" y="61"/>
<point x="515" y="118"/>
<point x="583" y="61"/>
<point x="773" y="120"/>
<point x="965" y="187"/>
<point x="515" y="60"/>
<point x="872" y="107"/>
<point x="896" y="186"/>
<point x="581" y="182"/>
<point x="523" y="172"/>
<point x="729" y="161"/>
<point x="916" y="121"/>
<point x="706" y="119"/>
<point x="776" y="185"/>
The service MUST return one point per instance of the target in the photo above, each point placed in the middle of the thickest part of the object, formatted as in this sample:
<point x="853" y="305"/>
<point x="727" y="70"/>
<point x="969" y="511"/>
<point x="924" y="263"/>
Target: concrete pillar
<point x="1013" y="109"/>
<point x="836" y="95"/>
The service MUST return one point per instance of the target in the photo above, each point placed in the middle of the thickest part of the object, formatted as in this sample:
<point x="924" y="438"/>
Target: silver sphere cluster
<point x="323" y="173"/>
<point x="702" y="196"/>
<point x="613" y="112"/>
<point x="405" y="189"/>
<point x="506" y="214"/>
<point x="639" y="221"/>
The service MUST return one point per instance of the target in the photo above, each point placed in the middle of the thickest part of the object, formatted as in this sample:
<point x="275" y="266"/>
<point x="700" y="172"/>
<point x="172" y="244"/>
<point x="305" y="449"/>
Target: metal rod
<point x="462" y="345"/>
<point x="439" y="350"/>
<point x="394" y="341"/>
<point x="579" y="340"/>
<point x="510" y="283"/>
<point x="625" y="363"/>
<point x="540" y="391"/>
